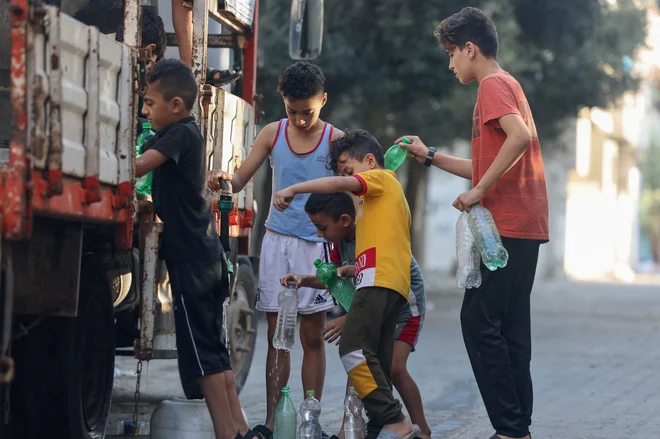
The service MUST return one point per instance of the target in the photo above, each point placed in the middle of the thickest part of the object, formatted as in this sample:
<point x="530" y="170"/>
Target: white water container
<point x="182" y="419"/>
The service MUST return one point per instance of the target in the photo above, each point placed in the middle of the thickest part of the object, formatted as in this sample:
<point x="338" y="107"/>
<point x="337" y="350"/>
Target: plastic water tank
<point x="182" y="419"/>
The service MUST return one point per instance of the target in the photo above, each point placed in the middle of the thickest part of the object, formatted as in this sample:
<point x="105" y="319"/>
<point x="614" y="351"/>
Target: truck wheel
<point x="66" y="371"/>
<point x="242" y="327"/>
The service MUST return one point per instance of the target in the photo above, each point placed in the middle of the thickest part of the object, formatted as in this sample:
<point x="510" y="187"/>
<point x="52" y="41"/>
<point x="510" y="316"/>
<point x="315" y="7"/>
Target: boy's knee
<point x="312" y="340"/>
<point x="398" y="372"/>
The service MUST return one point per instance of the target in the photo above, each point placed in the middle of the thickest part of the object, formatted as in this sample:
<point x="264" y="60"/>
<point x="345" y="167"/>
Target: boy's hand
<point x="334" y="329"/>
<point x="346" y="271"/>
<point x="416" y="149"/>
<point x="214" y="179"/>
<point x="467" y="199"/>
<point x="283" y="198"/>
<point x="291" y="278"/>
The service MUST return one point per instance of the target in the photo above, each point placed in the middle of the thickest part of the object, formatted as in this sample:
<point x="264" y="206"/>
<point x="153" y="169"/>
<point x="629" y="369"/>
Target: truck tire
<point x="65" y="371"/>
<point x="242" y="326"/>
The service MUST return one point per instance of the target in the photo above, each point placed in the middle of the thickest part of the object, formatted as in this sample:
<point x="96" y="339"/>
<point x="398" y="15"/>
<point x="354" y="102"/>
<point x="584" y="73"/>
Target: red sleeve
<point x="496" y="99"/>
<point x="363" y="183"/>
<point x="335" y="258"/>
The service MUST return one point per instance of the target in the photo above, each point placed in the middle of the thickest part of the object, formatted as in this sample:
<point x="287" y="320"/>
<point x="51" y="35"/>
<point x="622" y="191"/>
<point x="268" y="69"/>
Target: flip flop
<point x="250" y="435"/>
<point x="226" y="77"/>
<point x="262" y="432"/>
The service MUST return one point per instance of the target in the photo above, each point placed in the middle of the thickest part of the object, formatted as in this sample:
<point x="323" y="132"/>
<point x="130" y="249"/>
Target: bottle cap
<point x="310" y="392"/>
<point x="291" y="284"/>
<point x="318" y="263"/>
<point x="406" y="141"/>
<point x="146" y="125"/>
<point x="285" y="390"/>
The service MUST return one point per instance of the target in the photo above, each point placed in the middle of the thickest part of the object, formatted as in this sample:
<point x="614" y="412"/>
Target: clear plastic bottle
<point x="310" y="412"/>
<point x="395" y="156"/>
<point x="487" y="237"/>
<point x="354" y="426"/>
<point x="306" y="29"/>
<point x="340" y="289"/>
<point x="468" y="274"/>
<point x="285" y="417"/>
<point x="287" y="314"/>
<point x="143" y="184"/>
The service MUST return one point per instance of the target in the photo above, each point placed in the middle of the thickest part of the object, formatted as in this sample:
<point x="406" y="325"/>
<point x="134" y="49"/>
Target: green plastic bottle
<point x="395" y="156"/>
<point x="143" y="184"/>
<point x="285" y="417"/>
<point x="340" y="289"/>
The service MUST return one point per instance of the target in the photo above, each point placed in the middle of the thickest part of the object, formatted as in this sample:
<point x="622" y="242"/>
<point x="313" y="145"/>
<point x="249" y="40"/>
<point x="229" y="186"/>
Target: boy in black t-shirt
<point x="190" y="244"/>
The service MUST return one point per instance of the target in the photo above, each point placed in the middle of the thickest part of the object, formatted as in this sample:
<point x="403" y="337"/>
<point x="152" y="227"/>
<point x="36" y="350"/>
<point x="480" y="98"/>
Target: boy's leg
<point x="481" y="321"/>
<point x="516" y="326"/>
<point x="200" y="289"/>
<point x="405" y="340"/>
<point x="313" y="305"/>
<point x="182" y="21"/>
<point x="235" y="404"/>
<point x="276" y="378"/>
<point x="272" y="266"/>
<point x="373" y="311"/>
<point x="313" y="365"/>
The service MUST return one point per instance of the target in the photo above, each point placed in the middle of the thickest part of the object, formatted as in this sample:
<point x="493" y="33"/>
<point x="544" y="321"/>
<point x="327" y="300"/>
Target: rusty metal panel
<point x="149" y="239"/>
<point x="110" y="64"/>
<point x="38" y="102"/>
<point x="127" y="116"/>
<point x="200" y="21"/>
<point x="91" y="121"/>
<point x="53" y="253"/>
<point x="132" y="20"/>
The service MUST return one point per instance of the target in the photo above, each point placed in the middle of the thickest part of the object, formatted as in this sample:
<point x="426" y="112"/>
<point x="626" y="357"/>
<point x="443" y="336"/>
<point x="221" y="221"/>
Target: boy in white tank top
<point x="297" y="147"/>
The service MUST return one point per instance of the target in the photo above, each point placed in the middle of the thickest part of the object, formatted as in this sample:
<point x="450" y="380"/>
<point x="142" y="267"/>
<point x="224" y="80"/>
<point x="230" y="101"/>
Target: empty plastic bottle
<point x="468" y="274"/>
<point x="287" y="314"/>
<point x="340" y="289"/>
<point x="285" y="417"/>
<point x="487" y="237"/>
<point x="354" y="427"/>
<point x="310" y="411"/>
<point x="395" y="156"/>
<point x="143" y="184"/>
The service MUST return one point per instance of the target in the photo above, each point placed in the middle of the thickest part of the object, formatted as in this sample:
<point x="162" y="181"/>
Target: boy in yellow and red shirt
<point x="382" y="266"/>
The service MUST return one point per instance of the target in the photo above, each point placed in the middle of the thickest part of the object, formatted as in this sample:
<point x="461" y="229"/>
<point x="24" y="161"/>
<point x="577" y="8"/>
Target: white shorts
<point x="281" y="255"/>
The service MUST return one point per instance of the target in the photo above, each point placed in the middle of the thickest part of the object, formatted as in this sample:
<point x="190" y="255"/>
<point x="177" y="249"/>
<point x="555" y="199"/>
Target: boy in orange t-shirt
<point x="507" y="176"/>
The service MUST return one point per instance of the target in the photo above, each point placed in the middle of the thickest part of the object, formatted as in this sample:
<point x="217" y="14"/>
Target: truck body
<point x="80" y="277"/>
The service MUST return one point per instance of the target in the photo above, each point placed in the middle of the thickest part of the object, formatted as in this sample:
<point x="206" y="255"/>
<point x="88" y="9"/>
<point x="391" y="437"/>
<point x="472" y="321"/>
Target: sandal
<point x="262" y="432"/>
<point x="224" y="77"/>
<point x="249" y="435"/>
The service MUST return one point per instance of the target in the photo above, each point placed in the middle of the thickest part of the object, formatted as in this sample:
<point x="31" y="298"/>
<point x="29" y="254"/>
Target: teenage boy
<point x="507" y="176"/>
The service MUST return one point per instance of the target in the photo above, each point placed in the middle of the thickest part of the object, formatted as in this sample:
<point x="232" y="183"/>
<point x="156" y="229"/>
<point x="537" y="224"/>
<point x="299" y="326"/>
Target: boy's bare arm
<point x="326" y="185"/>
<point x="254" y="160"/>
<point x="517" y="141"/>
<point x="148" y="161"/>
<point x="454" y="165"/>
<point x="308" y="281"/>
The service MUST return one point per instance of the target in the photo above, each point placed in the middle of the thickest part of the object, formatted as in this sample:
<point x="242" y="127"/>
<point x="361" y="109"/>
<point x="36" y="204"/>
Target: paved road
<point x="595" y="367"/>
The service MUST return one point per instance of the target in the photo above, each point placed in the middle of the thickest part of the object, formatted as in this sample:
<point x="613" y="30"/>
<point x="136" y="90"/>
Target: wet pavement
<point x="595" y="368"/>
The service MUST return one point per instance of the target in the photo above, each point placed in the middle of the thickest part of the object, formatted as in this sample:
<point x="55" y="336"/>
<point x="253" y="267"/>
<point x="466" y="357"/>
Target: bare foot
<point x="401" y="428"/>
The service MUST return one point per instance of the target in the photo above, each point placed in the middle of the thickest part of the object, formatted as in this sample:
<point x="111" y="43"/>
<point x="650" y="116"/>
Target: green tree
<point x="386" y="74"/>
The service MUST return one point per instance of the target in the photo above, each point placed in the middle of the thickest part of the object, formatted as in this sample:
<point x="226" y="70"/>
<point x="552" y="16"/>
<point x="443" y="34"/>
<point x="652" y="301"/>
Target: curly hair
<point x="301" y="80"/>
<point x="468" y="25"/>
<point x="356" y="144"/>
<point x="153" y="32"/>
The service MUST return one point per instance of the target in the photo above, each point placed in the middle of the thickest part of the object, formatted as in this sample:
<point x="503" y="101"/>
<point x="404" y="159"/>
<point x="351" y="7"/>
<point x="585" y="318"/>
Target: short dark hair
<point x="356" y="144"/>
<point x="153" y="31"/>
<point x="470" y="24"/>
<point x="333" y="205"/>
<point x="301" y="80"/>
<point x="174" y="79"/>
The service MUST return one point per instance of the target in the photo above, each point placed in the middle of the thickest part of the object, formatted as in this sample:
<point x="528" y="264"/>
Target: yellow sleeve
<point x="372" y="183"/>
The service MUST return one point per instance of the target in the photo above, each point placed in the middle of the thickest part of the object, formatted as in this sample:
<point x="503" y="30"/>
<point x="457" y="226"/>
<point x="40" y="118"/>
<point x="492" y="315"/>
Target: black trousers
<point x="495" y="319"/>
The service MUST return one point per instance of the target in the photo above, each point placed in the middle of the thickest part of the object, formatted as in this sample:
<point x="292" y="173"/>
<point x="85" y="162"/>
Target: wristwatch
<point x="429" y="157"/>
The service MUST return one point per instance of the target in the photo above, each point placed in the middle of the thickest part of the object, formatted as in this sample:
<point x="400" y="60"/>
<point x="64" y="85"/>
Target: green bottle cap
<point x="310" y="392"/>
<point x="285" y="390"/>
<point x="318" y="263"/>
<point x="406" y="141"/>
<point x="146" y="125"/>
